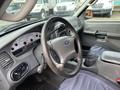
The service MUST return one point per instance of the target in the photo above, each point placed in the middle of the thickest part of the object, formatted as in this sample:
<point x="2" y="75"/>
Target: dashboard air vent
<point x="5" y="60"/>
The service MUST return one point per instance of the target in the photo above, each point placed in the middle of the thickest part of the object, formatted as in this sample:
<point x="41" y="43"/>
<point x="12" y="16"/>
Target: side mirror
<point x="89" y="13"/>
<point x="87" y="3"/>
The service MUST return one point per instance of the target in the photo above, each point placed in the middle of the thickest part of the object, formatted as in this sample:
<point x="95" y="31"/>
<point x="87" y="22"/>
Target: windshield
<point x="43" y="9"/>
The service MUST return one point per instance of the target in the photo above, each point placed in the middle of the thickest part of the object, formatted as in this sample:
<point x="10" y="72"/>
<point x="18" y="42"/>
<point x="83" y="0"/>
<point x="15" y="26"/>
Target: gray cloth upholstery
<point x="88" y="81"/>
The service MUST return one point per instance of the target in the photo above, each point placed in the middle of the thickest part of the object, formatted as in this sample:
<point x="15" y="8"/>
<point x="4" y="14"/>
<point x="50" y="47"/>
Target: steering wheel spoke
<point x="60" y="67"/>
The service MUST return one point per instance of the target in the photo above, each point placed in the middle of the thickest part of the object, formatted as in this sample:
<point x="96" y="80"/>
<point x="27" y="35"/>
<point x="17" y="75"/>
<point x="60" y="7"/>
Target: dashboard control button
<point x="19" y="72"/>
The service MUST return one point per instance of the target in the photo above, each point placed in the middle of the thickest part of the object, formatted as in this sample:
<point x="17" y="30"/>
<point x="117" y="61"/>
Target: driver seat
<point x="86" y="80"/>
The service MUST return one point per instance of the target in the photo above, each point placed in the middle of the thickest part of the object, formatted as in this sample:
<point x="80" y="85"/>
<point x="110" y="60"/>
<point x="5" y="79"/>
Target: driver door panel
<point x="102" y="32"/>
<point x="106" y="34"/>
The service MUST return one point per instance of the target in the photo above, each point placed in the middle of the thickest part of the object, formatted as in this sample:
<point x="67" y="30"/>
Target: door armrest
<point x="111" y="57"/>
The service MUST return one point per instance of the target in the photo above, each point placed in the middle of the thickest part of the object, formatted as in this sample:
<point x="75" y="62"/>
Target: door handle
<point x="100" y="35"/>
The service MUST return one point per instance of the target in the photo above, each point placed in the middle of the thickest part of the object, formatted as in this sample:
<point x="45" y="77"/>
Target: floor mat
<point x="32" y="84"/>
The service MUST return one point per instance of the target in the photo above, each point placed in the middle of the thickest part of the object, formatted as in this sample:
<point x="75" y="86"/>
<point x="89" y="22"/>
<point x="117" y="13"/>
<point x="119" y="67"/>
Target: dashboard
<point x="20" y="53"/>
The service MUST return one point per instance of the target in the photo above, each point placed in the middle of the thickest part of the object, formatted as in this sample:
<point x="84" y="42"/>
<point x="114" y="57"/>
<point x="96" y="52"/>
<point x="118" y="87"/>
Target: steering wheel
<point x="60" y="50"/>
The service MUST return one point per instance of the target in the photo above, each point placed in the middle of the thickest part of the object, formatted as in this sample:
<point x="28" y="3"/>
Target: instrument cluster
<point x="25" y="42"/>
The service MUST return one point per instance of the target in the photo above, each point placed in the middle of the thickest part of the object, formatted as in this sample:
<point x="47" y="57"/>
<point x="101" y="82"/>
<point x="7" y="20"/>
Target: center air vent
<point x="5" y="60"/>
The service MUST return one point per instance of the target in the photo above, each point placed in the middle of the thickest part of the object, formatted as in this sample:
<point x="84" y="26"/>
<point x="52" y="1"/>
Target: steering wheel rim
<point x="47" y="55"/>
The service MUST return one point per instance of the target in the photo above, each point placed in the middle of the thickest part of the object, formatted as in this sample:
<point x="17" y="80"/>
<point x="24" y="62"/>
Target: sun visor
<point x="21" y="14"/>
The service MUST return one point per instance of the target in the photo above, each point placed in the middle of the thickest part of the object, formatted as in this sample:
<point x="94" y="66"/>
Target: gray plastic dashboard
<point x="27" y="60"/>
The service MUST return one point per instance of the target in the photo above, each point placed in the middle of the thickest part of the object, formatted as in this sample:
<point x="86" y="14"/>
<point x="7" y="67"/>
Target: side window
<point x="104" y="10"/>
